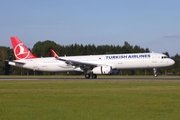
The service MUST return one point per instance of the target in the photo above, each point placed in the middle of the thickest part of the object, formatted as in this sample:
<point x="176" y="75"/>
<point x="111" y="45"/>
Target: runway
<point x="98" y="79"/>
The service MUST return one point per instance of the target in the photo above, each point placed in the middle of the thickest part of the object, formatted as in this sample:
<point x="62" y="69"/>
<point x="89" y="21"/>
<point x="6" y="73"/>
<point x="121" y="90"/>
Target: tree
<point x="175" y="69"/>
<point x="127" y="48"/>
<point x="42" y="49"/>
<point x="5" y="54"/>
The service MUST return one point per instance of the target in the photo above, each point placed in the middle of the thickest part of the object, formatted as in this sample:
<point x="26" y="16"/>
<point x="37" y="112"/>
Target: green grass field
<point x="89" y="100"/>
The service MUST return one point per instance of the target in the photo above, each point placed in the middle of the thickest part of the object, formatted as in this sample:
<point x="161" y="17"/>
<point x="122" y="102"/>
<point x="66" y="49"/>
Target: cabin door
<point x="154" y="58"/>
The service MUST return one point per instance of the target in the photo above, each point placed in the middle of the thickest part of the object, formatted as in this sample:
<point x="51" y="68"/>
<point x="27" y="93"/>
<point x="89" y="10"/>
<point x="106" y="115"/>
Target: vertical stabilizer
<point x="20" y="50"/>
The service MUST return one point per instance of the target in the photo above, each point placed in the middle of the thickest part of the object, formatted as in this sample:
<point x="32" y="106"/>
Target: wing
<point x="78" y="63"/>
<point x="82" y="65"/>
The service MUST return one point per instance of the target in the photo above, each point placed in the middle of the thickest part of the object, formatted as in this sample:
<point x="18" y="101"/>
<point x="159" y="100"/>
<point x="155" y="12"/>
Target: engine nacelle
<point x="102" y="70"/>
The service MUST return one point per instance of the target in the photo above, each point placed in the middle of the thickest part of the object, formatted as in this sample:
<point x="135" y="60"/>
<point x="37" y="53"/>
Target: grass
<point x="89" y="100"/>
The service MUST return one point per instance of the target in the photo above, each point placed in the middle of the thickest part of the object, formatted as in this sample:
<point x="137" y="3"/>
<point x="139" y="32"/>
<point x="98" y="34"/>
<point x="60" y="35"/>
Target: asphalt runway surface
<point x="100" y="79"/>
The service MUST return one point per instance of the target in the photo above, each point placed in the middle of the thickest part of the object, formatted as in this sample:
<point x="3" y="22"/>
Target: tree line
<point x="42" y="49"/>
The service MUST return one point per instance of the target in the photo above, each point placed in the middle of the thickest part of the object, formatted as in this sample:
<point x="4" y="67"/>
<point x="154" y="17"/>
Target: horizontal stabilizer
<point x="15" y="63"/>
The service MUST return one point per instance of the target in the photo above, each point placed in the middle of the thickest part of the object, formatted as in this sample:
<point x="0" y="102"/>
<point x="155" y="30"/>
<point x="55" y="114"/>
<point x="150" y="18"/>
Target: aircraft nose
<point x="171" y="62"/>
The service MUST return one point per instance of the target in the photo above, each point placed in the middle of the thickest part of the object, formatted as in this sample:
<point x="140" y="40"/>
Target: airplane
<point x="92" y="65"/>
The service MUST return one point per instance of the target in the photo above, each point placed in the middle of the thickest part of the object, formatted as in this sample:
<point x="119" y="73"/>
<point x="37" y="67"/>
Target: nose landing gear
<point x="155" y="72"/>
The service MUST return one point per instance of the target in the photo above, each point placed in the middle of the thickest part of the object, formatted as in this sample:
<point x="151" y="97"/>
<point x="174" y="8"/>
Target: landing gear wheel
<point x="94" y="76"/>
<point x="87" y="76"/>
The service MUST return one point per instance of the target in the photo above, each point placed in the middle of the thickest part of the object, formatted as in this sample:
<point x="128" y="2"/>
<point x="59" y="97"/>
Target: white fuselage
<point x="117" y="61"/>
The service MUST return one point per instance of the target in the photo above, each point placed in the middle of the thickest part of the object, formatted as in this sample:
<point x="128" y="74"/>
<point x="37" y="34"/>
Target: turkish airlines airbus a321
<point x="90" y="64"/>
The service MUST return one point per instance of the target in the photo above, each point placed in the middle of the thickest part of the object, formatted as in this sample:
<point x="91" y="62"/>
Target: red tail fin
<point x="20" y="50"/>
<point x="54" y="53"/>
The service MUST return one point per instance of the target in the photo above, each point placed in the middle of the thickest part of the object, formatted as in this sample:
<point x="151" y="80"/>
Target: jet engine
<point x="102" y="70"/>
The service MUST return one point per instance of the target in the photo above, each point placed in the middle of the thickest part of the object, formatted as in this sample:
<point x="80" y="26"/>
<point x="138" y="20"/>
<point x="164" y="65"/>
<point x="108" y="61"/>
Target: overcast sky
<point x="153" y="24"/>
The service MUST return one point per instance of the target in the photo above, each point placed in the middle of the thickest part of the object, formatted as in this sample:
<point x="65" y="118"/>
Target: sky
<point x="153" y="24"/>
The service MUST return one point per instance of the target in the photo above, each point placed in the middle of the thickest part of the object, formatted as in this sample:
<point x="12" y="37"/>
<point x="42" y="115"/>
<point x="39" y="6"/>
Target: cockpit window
<point x="164" y="57"/>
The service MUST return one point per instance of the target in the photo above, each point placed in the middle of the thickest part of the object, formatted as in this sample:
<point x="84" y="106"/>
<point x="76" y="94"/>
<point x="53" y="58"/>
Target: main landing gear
<point x="93" y="76"/>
